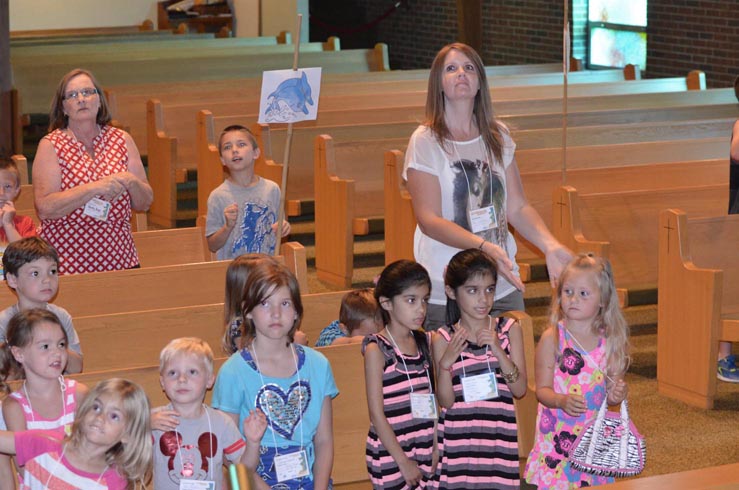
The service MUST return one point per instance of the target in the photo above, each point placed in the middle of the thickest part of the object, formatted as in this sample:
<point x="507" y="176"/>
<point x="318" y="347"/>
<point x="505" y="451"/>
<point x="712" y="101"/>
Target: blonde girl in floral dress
<point x="580" y="359"/>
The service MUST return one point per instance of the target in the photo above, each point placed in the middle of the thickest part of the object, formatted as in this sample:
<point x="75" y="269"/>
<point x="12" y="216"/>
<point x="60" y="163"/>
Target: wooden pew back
<point x="697" y="304"/>
<point x="159" y="326"/>
<point x="137" y="289"/>
<point x="622" y="226"/>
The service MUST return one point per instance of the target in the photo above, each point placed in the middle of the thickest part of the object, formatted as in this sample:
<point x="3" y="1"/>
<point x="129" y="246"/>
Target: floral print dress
<point x="580" y="373"/>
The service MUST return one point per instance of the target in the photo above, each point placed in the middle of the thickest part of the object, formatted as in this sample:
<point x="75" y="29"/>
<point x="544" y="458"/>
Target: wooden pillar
<point x="7" y="121"/>
<point x="469" y="23"/>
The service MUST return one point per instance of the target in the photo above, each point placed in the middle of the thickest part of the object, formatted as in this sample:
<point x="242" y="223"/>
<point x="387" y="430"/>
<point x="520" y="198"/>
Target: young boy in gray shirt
<point x="242" y="211"/>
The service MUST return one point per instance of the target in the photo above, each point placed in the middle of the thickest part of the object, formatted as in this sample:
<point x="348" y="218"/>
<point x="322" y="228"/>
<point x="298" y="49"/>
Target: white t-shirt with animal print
<point x="468" y="182"/>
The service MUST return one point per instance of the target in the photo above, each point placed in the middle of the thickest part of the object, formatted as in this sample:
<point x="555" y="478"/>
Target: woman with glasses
<point x="87" y="178"/>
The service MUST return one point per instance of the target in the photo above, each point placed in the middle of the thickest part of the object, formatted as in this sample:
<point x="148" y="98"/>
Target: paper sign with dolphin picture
<point x="290" y="95"/>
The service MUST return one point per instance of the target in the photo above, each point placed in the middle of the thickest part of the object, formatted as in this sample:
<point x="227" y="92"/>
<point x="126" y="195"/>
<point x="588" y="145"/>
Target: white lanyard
<point x="210" y="433"/>
<point x="300" y="395"/>
<point x="405" y="366"/>
<point x="587" y="356"/>
<point x="487" y="350"/>
<point x="63" y="388"/>
<point x="59" y="461"/>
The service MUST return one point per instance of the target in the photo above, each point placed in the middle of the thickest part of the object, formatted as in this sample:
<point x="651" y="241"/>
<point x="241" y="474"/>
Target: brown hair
<point x="357" y="306"/>
<point x="9" y="165"/>
<point x="57" y="118"/>
<point x="237" y="127"/>
<point x="490" y="128"/>
<point x="20" y="334"/>
<point x="236" y="275"/>
<point x="260" y="285"/>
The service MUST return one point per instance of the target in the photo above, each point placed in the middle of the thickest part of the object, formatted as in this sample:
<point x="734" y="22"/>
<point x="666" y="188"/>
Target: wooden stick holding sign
<point x="565" y="72"/>
<point x="289" y="96"/>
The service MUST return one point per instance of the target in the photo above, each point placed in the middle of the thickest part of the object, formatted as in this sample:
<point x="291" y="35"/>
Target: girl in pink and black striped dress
<point x="401" y="449"/>
<point x="481" y="367"/>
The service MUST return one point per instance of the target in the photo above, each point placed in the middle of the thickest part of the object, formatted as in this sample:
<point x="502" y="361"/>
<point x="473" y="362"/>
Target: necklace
<point x="59" y="462"/>
<point x="62" y="420"/>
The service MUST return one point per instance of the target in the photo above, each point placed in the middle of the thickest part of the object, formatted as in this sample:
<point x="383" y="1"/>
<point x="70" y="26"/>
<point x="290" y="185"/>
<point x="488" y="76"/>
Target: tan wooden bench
<point x="717" y="477"/>
<point x="139" y="36"/>
<point x="128" y="102"/>
<point x="145" y="26"/>
<point x="624" y="167"/>
<point x="698" y="303"/>
<point x="349" y="200"/>
<point x="158" y="326"/>
<point x="37" y="81"/>
<point x="148" y="288"/>
<point x="622" y="226"/>
<point x="301" y="174"/>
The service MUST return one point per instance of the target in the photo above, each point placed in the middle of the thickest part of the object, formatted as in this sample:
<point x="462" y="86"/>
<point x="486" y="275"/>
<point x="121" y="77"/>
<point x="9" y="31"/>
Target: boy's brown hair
<point x="237" y="127"/>
<point x="9" y="165"/>
<point x="357" y="306"/>
<point x="26" y="250"/>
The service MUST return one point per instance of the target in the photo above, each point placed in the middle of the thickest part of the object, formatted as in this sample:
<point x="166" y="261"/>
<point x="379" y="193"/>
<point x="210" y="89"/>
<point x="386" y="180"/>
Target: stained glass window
<point x="617" y="33"/>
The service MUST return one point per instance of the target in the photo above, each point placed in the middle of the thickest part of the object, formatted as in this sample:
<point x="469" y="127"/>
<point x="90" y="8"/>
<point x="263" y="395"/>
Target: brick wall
<point x="682" y="34"/>
<point x="694" y="34"/>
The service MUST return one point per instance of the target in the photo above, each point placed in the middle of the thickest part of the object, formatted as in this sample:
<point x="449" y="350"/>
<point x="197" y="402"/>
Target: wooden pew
<point x="625" y="167"/>
<point x="145" y="26"/>
<point x="137" y="289"/>
<point x="622" y="226"/>
<point x="341" y="211"/>
<point x="22" y="163"/>
<point x="148" y="288"/>
<point x="130" y="100"/>
<point x="158" y="326"/>
<point x="698" y="303"/>
<point x="524" y="135"/>
<point x="37" y="81"/>
<point x="172" y="246"/>
<point x="716" y="477"/>
<point x="140" y="36"/>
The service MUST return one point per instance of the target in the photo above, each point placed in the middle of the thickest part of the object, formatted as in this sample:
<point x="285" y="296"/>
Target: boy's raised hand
<point x="255" y="424"/>
<point x="7" y="212"/>
<point x="231" y="213"/>
<point x="285" y="228"/>
<point x="164" y="420"/>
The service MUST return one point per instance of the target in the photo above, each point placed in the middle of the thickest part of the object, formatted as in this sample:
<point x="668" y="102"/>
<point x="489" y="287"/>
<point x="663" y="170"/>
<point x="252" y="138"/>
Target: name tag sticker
<point x="423" y="406"/>
<point x="480" y="387"/>
<point x="483" y="219"/>
<point x="197" y="485"/>
<point x="98" y="209"/>
<point x="291" y="466"/>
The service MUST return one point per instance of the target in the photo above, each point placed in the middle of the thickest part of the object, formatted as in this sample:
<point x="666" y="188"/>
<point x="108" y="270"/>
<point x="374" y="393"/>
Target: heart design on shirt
<point x="284" y="410"/>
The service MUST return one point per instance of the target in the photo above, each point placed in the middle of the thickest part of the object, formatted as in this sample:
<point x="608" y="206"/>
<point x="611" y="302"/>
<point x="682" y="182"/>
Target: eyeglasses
<point x="85" y="92"/>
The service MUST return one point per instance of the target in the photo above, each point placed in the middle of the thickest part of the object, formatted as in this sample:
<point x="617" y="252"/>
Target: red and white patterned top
<point x="86" y="244"/>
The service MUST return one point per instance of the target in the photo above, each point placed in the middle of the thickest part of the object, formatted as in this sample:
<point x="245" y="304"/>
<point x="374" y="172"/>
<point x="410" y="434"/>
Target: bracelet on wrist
<point x="511" y="377"/>
<point x="482" y="244"/>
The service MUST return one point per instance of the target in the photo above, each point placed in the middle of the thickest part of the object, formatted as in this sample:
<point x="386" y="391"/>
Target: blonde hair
<point x="133" y="458"/>
<point x="187" y="345"/>
<point x="609" y="321"/>
<point x="236" y="275"/>
<point x="483" y="114"/>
